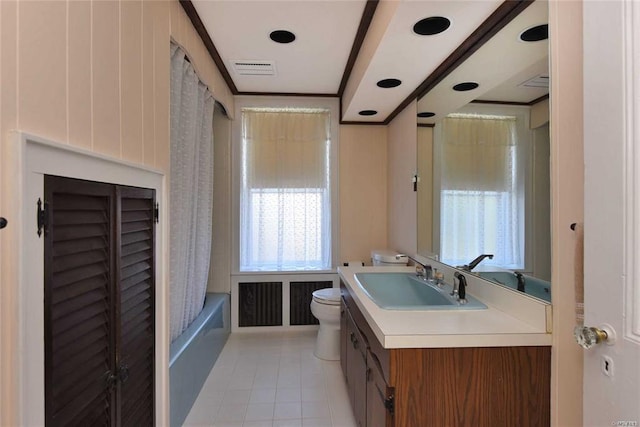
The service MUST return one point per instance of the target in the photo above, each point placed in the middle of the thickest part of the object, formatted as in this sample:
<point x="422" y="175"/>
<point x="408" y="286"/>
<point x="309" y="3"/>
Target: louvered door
<point x="99" y="304"/>
<point x="79" y="306"/>
<point x="136" y="268"/>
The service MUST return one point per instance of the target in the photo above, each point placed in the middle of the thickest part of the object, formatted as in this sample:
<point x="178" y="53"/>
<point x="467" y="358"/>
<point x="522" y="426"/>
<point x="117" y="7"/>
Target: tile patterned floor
<point x="274" y="380"/>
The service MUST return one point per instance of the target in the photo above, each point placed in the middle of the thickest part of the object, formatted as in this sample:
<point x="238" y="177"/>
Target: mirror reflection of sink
<point x="404" y="291"/>
<point x="532" y="286"/>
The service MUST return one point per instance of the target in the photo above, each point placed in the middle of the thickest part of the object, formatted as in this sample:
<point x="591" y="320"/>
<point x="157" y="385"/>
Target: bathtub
<point x="194" y="352"/>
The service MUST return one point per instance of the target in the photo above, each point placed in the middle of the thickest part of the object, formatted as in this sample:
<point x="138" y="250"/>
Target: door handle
<point x="123" y="373"/>
<point x="589" y="336"/>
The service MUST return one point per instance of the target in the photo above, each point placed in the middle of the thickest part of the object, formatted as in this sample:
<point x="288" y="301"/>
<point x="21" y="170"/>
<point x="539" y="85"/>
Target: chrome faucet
<point x="461" y="289"/>
<point x="520" y="278"/>
<point x="423" y="271"/>
<point x="475" y="262"/>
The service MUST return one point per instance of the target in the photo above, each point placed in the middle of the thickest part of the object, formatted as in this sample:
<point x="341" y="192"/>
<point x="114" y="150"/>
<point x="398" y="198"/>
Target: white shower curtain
<point x="191" y="191"/>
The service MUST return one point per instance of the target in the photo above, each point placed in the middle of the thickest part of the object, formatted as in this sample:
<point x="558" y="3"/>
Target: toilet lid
<point x="327" y="296"/>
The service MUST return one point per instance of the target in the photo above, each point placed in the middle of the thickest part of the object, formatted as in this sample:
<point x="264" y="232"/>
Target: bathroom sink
<point x="405" y="291"/>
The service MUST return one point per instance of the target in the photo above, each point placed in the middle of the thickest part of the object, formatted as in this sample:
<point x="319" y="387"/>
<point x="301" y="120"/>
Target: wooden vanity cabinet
<point x="380" y="397"/>
<point x="464" y="386"/>
<point x="356" y="371"/>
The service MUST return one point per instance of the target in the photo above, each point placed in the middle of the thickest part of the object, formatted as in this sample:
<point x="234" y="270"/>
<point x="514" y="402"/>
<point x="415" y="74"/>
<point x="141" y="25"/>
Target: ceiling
<point x="345" y="47"/>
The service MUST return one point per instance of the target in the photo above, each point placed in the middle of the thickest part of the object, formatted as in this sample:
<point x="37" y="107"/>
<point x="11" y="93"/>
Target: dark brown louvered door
<point x="79" y="333"/>
<point x="136" y="268"/>
<point x="99" y="304"/>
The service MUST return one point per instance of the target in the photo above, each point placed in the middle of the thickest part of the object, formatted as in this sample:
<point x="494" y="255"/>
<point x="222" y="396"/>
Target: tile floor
<point x="274" y="380"/>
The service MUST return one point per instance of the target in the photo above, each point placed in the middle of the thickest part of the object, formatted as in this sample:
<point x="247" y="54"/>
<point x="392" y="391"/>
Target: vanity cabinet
<point x="356" y="371"/>
<point x="462" y="386"/>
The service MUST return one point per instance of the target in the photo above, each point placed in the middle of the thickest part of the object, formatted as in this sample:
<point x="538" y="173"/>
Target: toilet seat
<point x="328" y="296"/>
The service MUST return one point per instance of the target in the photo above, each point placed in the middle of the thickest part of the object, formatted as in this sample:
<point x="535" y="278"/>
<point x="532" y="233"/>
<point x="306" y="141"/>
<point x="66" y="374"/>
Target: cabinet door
<point x="99" y="304"/>
<point x="380" y="397"/>
<point x="343" y="337"/>
<point x="136" y="292"/>
<point x="78" y="302"/>
<point x="357" y="372"/>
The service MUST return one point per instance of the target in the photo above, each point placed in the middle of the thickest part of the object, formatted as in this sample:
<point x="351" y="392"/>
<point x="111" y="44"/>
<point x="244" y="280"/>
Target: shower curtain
<point x="191" y="191"/>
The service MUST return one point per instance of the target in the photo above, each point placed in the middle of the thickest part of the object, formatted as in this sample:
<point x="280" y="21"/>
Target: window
<point x="481" y="190"/>
<point x="285" y="190"/>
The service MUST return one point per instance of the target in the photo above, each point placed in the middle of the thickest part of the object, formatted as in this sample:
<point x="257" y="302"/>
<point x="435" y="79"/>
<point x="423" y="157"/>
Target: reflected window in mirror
<point x="481" y="165"/>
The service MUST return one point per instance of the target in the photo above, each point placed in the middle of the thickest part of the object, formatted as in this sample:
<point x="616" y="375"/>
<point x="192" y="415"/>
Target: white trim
<point x="30" y="158"/>
<point x="631" y="69"/>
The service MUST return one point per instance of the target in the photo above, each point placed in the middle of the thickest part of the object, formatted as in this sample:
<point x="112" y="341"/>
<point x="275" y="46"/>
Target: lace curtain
<point x="191" y="191"/>
<point x="480" y="197"/>
<point x="285" y="221"/>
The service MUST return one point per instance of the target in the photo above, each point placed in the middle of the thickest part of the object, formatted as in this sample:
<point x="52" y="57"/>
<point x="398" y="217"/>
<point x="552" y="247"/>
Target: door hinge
<point x="156" y="213"/>
<point x="389" y="404"/>
<point x="42" y="217"/>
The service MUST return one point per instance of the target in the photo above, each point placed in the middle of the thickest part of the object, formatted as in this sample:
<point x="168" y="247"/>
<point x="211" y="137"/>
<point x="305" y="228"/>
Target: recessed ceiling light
<point x="282" y="36"/>
<point x="535" y="34"/>
<point x="387" y="83"/>
<point x="463" y="87"/>
<point x="432" y="25"/>
<point x="368" y="112"/>
<point x="426" y="114"/>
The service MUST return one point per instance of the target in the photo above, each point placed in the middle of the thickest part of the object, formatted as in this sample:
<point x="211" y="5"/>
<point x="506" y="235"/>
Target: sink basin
<point x="405" y="291"/>
<point x="532" y="286"/>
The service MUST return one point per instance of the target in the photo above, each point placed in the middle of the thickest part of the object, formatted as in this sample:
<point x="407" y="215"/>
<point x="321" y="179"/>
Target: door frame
<point x="29" y="158"/>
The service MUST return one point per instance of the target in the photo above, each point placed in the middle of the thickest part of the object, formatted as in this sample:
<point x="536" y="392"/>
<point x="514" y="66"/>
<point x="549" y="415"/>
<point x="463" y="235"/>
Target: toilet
<point x="325" y="306"/>
<point x="388" y="258"/>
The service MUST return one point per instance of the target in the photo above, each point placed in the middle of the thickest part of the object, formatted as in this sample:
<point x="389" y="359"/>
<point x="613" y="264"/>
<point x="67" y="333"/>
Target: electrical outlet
<point x="606" y="364"/>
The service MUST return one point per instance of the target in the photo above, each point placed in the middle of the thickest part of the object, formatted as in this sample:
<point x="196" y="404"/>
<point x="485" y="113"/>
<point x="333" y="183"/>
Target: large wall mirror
<point x="483" y="160"/>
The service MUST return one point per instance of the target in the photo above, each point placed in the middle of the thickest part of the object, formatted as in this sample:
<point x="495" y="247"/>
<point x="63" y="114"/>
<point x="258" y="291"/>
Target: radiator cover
<point x="259" y="304"/>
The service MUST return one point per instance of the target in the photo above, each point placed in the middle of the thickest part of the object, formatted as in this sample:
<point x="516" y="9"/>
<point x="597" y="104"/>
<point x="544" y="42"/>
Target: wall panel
<point x="148" y="94"/>
<point x="42" y="83"/>
<point x="79" y="78"/>
<point x="131" y="80"/>
<point x="161" y="34"/>
<point x="106" y="77"/>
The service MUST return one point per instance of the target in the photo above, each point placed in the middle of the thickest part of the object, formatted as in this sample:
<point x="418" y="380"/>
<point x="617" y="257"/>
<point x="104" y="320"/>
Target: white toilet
<point x="387" y="258"/>
<point x="325" y="306"/>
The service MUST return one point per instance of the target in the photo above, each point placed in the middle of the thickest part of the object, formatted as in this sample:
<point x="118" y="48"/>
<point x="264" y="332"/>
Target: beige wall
<point x="567" y="201"/>
<point x="424" y="218"/>
<point x="402" y="209"/>
<point x="94" y="75"/>
<point x="220" y="268"/>
<point x="90" y="74"/>
<point x="363" y="191"/>
<point x="539" y="114"/>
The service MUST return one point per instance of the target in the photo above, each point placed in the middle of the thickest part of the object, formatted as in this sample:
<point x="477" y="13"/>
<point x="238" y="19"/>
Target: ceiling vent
<point x="254" y="68"/>
<point x="540" y="81"/>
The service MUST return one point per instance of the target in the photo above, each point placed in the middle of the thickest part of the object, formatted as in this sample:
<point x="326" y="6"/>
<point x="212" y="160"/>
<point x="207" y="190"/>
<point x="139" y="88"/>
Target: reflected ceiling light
<point x="463" y="87"/>
<point x="535" y="34"/>
<point x="368" y="112"/>
<point x="426" y="114"/>
<point x="387" y="83"/>
<point x="282" y="36"/>
<point x="432" y="25"/>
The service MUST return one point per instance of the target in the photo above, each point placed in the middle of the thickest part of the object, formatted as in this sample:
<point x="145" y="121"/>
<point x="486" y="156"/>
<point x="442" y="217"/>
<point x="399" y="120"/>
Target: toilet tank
<point x="388" y="258"/>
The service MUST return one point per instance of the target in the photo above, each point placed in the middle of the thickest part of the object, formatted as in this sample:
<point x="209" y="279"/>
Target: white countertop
<point x="442" y="328"/>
